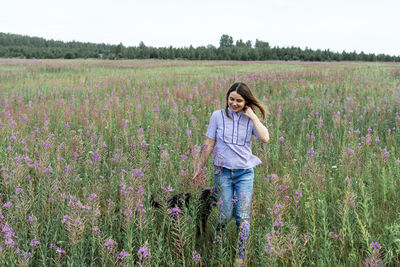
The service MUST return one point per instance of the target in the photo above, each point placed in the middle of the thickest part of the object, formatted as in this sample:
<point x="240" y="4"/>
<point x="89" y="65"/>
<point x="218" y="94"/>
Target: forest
<point x="22" y="46"/>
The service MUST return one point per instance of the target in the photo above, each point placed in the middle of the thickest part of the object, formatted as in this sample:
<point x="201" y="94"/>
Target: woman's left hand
<point x="248" y="111"/>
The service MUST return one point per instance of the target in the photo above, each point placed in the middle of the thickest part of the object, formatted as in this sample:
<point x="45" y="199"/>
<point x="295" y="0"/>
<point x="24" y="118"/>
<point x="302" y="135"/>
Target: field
<point x="84" y="144"/>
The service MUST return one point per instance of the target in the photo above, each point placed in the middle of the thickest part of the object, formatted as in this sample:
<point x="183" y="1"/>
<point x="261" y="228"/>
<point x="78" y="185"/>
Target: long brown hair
<point x="250" y="100"/>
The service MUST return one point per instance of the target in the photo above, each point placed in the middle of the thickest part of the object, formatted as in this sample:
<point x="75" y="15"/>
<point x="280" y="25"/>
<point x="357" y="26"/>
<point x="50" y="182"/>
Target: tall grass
<point x="85" y="143"/>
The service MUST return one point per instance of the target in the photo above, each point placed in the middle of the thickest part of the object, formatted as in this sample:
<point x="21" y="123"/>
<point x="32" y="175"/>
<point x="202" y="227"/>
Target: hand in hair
<point x="248" y="111"/>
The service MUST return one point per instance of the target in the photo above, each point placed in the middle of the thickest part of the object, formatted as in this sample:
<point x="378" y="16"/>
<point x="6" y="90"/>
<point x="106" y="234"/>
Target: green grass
<point x="73" y="128"/>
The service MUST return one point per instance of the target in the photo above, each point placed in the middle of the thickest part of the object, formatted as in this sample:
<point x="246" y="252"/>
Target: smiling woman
<point x="229" y="136"/>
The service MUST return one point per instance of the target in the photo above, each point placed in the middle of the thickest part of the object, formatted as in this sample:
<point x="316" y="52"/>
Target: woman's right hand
<point x="196" y="174"/>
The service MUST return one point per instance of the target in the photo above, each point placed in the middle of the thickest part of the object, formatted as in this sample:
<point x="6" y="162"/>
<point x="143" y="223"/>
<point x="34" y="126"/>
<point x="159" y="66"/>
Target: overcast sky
<point x="371" y="26"/>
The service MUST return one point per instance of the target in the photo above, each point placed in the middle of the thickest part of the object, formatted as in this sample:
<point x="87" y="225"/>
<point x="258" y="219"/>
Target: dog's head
<point x="209" y="196"/>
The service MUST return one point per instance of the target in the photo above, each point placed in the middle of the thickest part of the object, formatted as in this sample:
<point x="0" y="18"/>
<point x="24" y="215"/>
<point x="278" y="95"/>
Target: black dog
<point x="207" y="200"/>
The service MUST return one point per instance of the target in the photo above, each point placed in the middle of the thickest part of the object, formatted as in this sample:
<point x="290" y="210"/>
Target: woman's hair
<point x="250" y="100"/>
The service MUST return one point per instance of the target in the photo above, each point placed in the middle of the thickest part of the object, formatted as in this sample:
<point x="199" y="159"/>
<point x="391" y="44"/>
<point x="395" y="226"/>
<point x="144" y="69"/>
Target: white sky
<point x="372" y="26"/>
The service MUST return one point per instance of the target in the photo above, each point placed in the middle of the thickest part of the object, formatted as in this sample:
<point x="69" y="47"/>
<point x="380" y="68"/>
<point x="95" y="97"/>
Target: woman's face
<point x="236" y="102"/>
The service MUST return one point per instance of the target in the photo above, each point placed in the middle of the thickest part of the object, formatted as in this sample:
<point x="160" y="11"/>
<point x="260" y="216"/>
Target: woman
<point x="229" y="135"/>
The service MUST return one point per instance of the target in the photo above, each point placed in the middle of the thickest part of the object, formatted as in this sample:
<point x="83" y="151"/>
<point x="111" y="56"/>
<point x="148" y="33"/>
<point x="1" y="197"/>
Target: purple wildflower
<point x="144" y="252"/>
<point x="196" y="256"/>
<point x="110" y="244"/>
<point x="375" y="245"/>
<point x="34" y="243"/>
<point x="123" y="255"/>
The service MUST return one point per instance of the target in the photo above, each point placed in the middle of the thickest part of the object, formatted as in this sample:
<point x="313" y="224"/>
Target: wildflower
<point x="96" y="156"/>
<point x="144" y="252"/>
<point x="298" y="194"/>
<point x="273" y="176"/>
<point x="268" y="248"/>
<point x="311" y="153"/>
<point x="168" y="189"/>
<point x="174" y="211"/>
<point x="110" y="244"/>
<point x="128" y="213"/>
<point x="32" y="218"/>
<point x="188" y="132"/>
<point x="164" y="155"/>
<point x="196" y="256"/>
<point x="281" y="139"/>
<point x="375" y="245"/>
<point x="59" y="250"/>
<point x="278" y="223"/>
<point x="7" y="205"/>
<point x="348" y="180"/>
<point x="34" y="243"/>
<point x="143" y="144"/>
<point x="65" y="219"/>
<point x="95" y="230"/>
<point x="123" y="255"/>
<point x="217" y="239"/>
<point x="92" y="196"/>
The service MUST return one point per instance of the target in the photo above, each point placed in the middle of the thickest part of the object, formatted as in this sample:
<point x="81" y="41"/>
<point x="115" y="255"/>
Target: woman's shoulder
<point x="217" y="112"/>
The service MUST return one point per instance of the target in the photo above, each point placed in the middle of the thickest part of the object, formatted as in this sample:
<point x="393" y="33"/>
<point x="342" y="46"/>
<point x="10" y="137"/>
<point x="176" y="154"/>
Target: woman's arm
<point x="261" y="130"/>
<point x="205" y="153"/>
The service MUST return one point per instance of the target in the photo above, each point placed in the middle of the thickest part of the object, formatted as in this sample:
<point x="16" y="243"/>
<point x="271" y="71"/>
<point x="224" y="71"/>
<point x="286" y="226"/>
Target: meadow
<point x="84" y="144"/>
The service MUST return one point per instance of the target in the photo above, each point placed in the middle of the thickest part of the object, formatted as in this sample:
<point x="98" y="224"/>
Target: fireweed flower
<point x="174" y="211"/>
<point x="8" y="236"/>
<point x="128" y="213"/>
<point x="144" y="252"/>
<point x="34" y="243"/>
<point x="32" y="218"/>
<point x="196" y="256"/>
<point x="95" y="230"/>
<point x="164" y="155"/>
<point x="273" y="176"/>
<point x="58" y="250"/>
<point x="297" y="195"/>
<point x="168" y="189"/>
<point x="96" y="156"/>
<point x="110" y="244"/>
<point x="123" y="255"/>
<point x="7" y="205"/>
<point x="92" y="196"/>
<point x="65" y="219"/>
<point x="375" y="245"/>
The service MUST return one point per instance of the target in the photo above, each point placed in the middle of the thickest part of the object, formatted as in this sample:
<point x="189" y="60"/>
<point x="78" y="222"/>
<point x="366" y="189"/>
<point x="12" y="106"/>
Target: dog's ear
<point x="154" y="203"/>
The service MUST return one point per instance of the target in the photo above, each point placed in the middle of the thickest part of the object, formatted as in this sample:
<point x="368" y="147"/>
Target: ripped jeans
<point x="234" y="189"/>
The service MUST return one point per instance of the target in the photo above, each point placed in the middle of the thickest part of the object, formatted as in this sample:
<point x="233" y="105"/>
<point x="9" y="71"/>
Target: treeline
<point x="14" y="45"/>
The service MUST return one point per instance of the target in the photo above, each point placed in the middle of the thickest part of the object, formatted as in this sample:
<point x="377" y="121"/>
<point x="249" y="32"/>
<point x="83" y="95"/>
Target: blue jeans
<point x="234" y="189"/>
